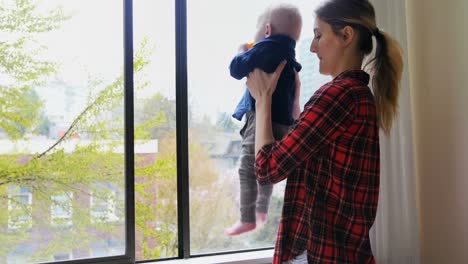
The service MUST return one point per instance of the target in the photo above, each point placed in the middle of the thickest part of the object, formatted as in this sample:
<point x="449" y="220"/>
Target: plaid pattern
<point x="330" y="158"/>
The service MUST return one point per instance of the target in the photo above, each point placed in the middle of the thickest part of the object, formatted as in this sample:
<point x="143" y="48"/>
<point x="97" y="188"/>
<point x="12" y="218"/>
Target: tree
<point x="44" y="125"/>
<point x="68" y="180"/>
<point x="154" y="108"/>
<point x="21" y="70"/>
<point x="20" y="67"/>
<point x="55" y="172"/>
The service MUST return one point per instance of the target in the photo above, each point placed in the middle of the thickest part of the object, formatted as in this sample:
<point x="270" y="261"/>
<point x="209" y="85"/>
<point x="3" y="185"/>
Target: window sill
<point x="253" y="257"/>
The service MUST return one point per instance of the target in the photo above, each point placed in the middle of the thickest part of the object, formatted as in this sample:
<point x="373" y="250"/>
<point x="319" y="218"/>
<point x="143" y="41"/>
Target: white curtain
<point x="395" y="236"/>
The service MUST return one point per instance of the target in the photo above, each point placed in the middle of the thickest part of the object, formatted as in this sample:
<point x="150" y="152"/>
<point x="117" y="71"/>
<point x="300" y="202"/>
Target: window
<point x="111" y="143"/>
<point x="107" y="248"/>
<point x="19" y="208"/>
<point x="156" y="226"/>
<point x="214" y="141"/>
<point x="62" y="256"/>
<point x="19" y="255"/>
<point x="103" y="203"/>
<point x="61" y="210"/>
<point x="61" y="127"/>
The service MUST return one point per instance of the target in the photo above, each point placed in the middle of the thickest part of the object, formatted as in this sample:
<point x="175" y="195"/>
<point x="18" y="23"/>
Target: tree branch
<point x="67" y="133"/>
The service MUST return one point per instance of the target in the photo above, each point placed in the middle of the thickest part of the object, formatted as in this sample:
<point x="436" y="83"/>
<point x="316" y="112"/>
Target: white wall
<point x="438" y="70"/>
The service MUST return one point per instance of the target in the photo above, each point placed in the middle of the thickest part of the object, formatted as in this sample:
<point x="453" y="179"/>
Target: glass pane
<point x="214" y="139"/>
<point x="155" y="124"/>
<point x="61" y="130"/>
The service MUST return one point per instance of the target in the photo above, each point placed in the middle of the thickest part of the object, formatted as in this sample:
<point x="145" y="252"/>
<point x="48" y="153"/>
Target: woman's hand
<point x="261" y="84"/>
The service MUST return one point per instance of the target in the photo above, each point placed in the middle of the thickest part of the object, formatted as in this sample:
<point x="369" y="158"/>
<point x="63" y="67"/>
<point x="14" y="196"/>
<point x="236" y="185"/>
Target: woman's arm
<point x="297" y="94"/>
<point x="328" y="115"/>
<point x="261" y="86"/>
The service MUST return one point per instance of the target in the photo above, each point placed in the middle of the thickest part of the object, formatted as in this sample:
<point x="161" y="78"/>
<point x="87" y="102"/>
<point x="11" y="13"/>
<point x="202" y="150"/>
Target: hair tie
<point x="376" y="32"/>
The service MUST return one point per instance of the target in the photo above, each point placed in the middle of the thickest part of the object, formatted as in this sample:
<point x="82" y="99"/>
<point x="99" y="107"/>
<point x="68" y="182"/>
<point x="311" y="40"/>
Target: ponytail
<point x="387" y="71"/>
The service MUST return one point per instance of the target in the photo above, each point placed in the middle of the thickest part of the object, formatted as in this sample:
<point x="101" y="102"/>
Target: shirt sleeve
<point x="265" y="56"/>
<point x="329" y="113"/>
<point x="241" y="65"/>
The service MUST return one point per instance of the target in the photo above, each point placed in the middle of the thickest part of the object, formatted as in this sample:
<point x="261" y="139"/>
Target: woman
<point x="330" y="157"/>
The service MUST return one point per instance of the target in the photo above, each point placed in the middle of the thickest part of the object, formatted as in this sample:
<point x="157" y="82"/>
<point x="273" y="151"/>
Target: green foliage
<point x="96" y="169"/>
<point x="23" y="68"/>
<point x="22" y="16"/>
<point x="156" y="117"/>
<point x="44" y="126"/>
<point x="156" y="207"/>
<point x="21" y="65"/>
<point x="57" y="170"/>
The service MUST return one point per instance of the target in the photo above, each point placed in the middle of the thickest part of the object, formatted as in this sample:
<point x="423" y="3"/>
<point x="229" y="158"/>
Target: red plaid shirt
<point x="331" y="161"/>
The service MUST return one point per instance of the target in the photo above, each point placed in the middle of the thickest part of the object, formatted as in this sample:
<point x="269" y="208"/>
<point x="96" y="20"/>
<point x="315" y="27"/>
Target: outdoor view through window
<point x="62" y="127"/>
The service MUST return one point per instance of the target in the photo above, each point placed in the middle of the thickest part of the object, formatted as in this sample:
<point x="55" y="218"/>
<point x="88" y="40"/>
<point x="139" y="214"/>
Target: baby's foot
<point x="261" y="219"/>
<point x="239" y="228"/>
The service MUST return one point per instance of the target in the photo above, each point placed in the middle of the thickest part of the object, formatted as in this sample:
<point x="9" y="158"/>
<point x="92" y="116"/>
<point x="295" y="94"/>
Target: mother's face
<point x="327" y="46"/>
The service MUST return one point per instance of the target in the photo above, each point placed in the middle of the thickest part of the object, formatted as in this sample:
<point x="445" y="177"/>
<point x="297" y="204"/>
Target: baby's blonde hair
<point x="284" y="19"/>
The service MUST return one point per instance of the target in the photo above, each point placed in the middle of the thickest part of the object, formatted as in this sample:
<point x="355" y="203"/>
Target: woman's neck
<point x="348" y="63"/>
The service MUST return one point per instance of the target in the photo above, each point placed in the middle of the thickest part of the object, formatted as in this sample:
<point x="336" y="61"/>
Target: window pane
<point x="61" y="130"/>
<point x="214" y="140"/>
<point x="155" y="124"/>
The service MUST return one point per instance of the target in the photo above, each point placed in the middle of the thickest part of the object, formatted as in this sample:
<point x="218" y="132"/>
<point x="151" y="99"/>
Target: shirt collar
<point x="358" y="75"/>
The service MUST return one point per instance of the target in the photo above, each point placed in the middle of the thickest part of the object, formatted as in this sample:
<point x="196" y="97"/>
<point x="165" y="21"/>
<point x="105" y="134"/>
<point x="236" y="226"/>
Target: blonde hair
<point x="284" y="19"/>
<point x="387" y="64"/>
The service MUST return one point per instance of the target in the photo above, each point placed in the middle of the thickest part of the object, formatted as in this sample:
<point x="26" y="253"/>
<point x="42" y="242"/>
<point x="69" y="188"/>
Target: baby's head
<point x="284" y="19"/>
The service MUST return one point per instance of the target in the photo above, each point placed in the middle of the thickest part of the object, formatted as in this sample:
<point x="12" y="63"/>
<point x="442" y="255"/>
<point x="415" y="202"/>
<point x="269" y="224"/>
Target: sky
<point x="91" y="44"/>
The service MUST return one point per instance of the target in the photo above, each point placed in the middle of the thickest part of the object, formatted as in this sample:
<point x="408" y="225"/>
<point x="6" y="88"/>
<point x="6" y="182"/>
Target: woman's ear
<point x="348" y="34"/>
